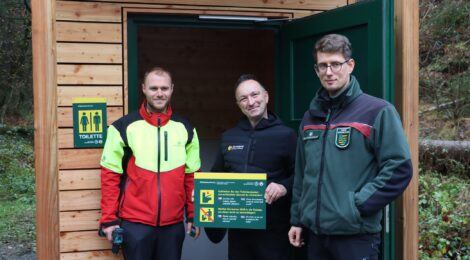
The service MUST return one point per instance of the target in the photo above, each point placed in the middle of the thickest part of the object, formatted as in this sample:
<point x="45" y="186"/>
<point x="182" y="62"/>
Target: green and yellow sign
<point x="230" y="200"/>
<point x="89" y="122"/>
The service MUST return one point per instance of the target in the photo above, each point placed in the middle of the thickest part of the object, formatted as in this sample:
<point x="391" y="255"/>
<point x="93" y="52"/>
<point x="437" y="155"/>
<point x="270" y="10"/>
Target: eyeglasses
<point x="335" y="66"/>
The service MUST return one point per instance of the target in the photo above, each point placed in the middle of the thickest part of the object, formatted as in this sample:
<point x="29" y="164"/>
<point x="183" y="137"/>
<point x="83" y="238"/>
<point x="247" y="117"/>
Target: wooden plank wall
<point x="91" y="62"/>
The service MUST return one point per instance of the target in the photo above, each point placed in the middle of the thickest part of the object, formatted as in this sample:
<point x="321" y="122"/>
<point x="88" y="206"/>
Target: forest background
<point x="444" y="191"/>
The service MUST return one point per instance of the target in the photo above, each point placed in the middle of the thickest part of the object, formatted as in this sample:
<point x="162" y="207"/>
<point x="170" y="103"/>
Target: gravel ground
<point x="15" y="252"/>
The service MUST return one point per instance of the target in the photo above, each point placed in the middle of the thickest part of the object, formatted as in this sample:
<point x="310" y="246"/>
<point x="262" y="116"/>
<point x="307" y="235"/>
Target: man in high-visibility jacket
<point x="157" y="151"/>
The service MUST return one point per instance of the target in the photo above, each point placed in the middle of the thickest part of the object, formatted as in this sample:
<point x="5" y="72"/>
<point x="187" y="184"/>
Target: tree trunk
<point x="447" y="157"/>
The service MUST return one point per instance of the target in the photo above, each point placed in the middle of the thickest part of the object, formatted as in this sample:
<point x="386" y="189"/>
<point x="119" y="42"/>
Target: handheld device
<point x="192" y="233"/>
<point x="118" y="238"/>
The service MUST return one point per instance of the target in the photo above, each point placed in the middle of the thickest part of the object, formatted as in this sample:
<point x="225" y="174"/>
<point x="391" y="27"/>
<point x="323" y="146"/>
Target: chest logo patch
<point x="235" y="147"/>
<point x="343" y="137"/>
<point x="312" y="134"/>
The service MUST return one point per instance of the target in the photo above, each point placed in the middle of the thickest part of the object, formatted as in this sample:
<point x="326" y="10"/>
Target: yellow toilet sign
<point x="89" y="122"/>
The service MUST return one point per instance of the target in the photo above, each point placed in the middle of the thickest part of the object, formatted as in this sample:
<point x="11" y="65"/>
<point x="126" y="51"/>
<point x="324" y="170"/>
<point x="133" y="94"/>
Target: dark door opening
<point x="205" y="64"/>
<point x="205" y="60"/>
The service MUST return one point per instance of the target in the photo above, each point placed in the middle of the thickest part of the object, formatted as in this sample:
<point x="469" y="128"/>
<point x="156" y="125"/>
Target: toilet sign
<point x="89" y="122"/>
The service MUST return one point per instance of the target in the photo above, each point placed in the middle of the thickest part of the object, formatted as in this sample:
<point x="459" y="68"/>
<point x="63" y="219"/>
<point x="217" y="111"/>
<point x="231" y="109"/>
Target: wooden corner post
<point x="407" y="100"/>
<point x="45" y="129"/>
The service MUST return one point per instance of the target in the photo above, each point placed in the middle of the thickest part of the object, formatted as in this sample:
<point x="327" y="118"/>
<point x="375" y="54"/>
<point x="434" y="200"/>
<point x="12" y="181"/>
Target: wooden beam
<point x="283" y="4"/>
<point x="89" y="74"/>
<point x="65" y="138"/>
<point x="112" y="94"/>
<point x="88" y="32"/>
<point x="79" y="179"/>
<point x="92" y="12"/>
<point x="79" y="158"/>
<point x="95" y="255"/>
<point x="89" y="53"/>
<point x="45" y="125"/>
<point x="407" y="99"/>
<point x="80" y="200"/>
<point x="79" y="220"/>
<point x="111" y="12"/>
<point x="82" y="241"/>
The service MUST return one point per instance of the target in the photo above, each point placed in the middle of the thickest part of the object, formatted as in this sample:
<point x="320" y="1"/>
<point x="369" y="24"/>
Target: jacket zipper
<point x="159" y="195"/>
<point x="166" y="145"/>
<point x="249" y="151"/>
<point x="322" y="166"/>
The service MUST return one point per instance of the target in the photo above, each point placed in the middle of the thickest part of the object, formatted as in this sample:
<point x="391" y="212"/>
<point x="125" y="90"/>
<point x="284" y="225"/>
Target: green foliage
<point x="15" y="61"/>
<point x="445" y="62"/>
<point x="17" y="187"/>
<point x="444" y="214"/>
<point x="16" y="166"/>
<point x="18" y="222"/>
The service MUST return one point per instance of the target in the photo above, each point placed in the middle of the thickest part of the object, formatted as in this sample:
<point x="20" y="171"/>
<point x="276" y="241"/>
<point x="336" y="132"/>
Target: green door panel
<point x="369" y="27"/>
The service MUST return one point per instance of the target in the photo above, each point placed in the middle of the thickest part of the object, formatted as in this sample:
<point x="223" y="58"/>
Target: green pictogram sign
<point x="89" y="122"/>
<point x="230" y="200"/>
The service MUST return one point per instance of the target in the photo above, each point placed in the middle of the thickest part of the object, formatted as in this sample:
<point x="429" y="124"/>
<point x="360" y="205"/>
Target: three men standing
<point x="352" y="160"/>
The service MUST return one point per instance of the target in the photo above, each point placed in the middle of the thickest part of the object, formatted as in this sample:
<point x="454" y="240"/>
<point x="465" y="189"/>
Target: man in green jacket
<point x="352" y="160"/>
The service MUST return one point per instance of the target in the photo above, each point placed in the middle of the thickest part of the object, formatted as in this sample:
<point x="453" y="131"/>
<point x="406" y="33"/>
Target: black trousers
<point x="142" y="242"/>
<point x="246" y="244"/>
<point x="350" y="247"/>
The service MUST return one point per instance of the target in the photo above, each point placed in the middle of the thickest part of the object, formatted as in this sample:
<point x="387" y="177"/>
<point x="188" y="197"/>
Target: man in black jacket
<point x="264" y="145"/>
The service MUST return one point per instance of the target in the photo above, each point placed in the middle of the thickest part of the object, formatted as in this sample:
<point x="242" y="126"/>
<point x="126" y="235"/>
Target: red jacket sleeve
<point x="189" y="188"/>
<point x="110" y="190"/>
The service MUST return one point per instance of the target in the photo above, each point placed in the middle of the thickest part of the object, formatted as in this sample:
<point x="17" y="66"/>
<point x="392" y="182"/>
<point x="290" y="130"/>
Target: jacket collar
<point x="272" y="120"/>
<point x="152" y="118"/>
<point x="323" y="101"/>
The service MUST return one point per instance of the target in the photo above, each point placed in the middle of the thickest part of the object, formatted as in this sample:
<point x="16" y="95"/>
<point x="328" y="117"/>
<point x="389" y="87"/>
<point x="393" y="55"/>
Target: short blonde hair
<point x="158" y="71"/>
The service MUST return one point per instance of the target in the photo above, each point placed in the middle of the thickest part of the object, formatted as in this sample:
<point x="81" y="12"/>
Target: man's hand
<point x="109" y="231"/>
<point x="189" y="226"/>
<point x="273" y="192"/>
<point x="295" y="236"/>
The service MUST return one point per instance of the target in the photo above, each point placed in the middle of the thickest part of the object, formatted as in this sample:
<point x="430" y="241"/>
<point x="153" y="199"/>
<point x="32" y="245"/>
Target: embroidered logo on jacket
<point x="312" y="134"/>
<point x="343" y="137"/>
<point x="235" y="147"/>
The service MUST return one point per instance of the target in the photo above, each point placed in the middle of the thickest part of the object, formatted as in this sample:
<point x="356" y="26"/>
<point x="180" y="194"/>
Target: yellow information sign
<point x="230" y="200"/>
<point x="89" y="122"/>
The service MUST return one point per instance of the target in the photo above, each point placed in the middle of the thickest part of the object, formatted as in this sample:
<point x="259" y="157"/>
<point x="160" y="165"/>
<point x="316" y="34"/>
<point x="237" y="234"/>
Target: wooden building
<point x="100" y="48"/>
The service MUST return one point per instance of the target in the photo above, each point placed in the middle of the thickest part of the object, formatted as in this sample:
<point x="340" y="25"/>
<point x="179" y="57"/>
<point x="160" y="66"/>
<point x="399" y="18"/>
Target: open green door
<point x="369" y="27"/>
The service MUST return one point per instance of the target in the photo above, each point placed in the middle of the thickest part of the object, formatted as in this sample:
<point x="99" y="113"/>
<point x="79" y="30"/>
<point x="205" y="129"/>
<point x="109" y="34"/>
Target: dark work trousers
<point x="252" y="244"/>
<point x="144" y="242"/>
<point x="347" y="247"/>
